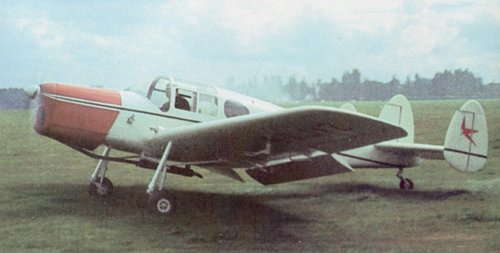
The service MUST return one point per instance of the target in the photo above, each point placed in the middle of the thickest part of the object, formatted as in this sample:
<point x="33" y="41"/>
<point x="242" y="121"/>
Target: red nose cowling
<point x="77" y="116"/>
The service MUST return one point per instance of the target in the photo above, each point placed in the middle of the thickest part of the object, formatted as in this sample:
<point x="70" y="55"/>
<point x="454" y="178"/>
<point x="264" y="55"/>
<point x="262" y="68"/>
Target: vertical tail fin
<point x="398" y="111"/>
<point x="466" y="143"/>
<point x="348" y="107"/>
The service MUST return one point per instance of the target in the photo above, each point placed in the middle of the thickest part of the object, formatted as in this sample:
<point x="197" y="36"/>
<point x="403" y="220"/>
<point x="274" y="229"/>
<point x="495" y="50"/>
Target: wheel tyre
<point x="406" y="184"/>
<point x="161" y="202"/>
<point x="103" y="189"/>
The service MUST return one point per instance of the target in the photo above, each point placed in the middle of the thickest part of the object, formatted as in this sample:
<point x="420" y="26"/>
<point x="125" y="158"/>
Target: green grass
<point x="44" y="206"/>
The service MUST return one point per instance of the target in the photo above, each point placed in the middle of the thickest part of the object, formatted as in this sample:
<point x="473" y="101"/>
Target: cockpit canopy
<point x="167" y="93"/>
<point x="178" y="97"/>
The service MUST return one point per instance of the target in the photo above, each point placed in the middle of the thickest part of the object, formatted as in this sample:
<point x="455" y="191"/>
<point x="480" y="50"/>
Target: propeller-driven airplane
<point x="174" y="125"/>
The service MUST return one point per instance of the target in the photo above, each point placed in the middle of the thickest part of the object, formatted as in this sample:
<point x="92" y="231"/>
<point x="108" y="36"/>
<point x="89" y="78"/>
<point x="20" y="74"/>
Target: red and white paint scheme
<point x="172" y="125"/>
<point x="77" y="116"/>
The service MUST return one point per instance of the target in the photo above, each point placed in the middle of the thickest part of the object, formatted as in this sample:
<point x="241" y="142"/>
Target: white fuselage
<point x="140" y="120"/>
<point x="85" y="117"/>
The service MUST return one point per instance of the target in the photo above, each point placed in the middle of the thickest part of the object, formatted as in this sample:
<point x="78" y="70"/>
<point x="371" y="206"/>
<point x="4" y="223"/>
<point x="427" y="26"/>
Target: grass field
<point x="44" y="205"/>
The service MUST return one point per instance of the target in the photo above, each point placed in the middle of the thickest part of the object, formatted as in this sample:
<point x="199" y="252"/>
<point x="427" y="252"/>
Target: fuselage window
<point x="166" y="105"/>
<point x="234" y="108"/>
<point x="207" y="105"/>
<point x="160" y="96"/>
<point x="185" y="100"/>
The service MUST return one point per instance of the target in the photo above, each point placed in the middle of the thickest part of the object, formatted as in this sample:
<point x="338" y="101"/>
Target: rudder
<point x="466" y="143"/>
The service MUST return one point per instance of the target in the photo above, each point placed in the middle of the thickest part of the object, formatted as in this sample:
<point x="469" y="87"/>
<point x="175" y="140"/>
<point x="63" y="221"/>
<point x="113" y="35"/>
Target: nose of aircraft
<point x="31" y="91"/>
<point x="75" y="115"/>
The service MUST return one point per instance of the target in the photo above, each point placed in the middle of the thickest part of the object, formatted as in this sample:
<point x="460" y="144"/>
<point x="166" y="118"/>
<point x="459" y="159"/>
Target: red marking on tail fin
<point x="467" y="132"/>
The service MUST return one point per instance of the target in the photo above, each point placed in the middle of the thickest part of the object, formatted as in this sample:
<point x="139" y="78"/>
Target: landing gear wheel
<point x="103" y="188"/>
<point x="406" y="184"/>
<point x="161" y="202"/>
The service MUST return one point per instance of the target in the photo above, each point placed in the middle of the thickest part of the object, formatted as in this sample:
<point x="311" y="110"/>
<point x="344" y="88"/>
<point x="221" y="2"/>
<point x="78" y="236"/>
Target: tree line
<point x="444" y="85"/>
<point x="13" y="98"/>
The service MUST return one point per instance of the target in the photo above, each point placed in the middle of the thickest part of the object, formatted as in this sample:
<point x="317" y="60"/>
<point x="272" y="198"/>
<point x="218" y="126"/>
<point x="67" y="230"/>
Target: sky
<point x="124" y="43"/>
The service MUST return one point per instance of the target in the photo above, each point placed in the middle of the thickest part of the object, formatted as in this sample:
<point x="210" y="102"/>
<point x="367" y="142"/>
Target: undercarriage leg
<point x="99" y="183"/>
<point x="404" y="183"/>
<point x="102" y="165"/>
<point x="159" y="200"/>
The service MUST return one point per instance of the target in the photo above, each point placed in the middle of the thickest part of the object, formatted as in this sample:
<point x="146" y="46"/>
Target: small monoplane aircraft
<point x="173" y="125"/>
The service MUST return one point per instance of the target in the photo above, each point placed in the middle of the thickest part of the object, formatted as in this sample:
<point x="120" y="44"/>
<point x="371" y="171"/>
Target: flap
<point x="298" y="170"/>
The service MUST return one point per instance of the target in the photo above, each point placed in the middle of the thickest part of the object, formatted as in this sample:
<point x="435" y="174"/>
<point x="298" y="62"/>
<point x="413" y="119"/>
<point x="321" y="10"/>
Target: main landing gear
<point x="404" y="183"/>
<point x="160" y="201"/>
<point x="99" y="183"/>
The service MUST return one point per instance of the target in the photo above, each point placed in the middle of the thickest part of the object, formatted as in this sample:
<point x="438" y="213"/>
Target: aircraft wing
<point x="413" y="149"/>
<point x="265" y="136"/>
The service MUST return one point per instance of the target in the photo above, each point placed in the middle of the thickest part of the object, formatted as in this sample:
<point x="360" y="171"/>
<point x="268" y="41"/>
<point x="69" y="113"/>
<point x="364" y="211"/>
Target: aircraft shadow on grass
<point x="223" y="208"/>
<point x="390" y="192"/>
<point x="206" y="217"/>
<point x="213" y="216"/>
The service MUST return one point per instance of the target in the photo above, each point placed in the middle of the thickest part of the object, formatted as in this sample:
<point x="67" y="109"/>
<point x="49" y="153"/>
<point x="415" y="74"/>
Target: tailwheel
<point x="406" y="184"/>
<point x="161" y="202"/>
<point x="101" y="186"/>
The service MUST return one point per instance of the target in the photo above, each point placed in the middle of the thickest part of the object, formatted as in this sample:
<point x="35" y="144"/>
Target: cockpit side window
<point x="207" y="104"/>
<point x="166" y="106"/>
<point x="160" y="92"/>
<point x="234" y="108"/>
<point x="185" y="99"/>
